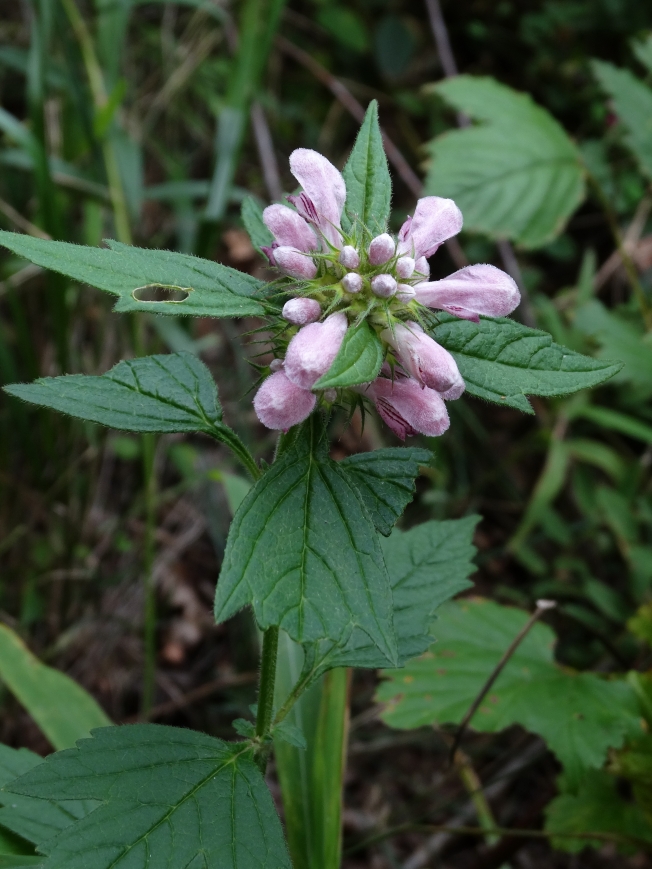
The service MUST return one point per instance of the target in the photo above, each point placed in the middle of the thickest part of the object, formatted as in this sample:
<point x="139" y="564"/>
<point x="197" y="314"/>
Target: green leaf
<point x="517" y="175"/>
<point x="168" y="393"/>
<point x="385" y="480"/>
<point x="62" y="709"/>
<point x="16" y="861"/>
<point x="632" y="103"/>
<point x="580" y="715"/>
<point x="358" y="359"/>
<point x="503" y="361"/>
<point x="304" y="553"/>
<point x="367" y="178"/>
<point x="252" y="217"/>
<point x="168" y="797"/>
<point x="205" y="289"/>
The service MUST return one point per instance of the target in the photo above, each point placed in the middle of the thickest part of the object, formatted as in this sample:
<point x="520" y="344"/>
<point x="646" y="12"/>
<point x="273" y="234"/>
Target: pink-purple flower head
<point x="339" y="277"/>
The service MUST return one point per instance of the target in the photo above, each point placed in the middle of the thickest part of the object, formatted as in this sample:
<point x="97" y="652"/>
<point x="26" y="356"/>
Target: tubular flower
<point x="335" y="278"/>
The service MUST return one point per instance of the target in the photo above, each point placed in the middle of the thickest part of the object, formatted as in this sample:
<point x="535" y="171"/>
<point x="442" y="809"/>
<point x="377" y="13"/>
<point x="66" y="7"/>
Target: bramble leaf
<point x="168" y="797"/>
<point x="194" y="287"/>
<point x="503" y="361"/>
<point x="516" y="175"/>
<point x="358" y="359"/>
<point x="385" y="480"/>
<point x="303" y="551"/>
<point x="580" y="715"/>
<point x="367" y="178"/>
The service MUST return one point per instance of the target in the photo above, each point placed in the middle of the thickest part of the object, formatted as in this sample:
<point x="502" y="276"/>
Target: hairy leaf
<point x="385" y="480"/>
<point x="516" y="175"/>
<point x="252" y="217"/>
<point x="503" y="361"/>
<point x="367" y="178"/>
<point x="203" y="288"/>
<point x="358" y="359"/>
<point x="632" y="103"/>
<point x="580" y="715"/>
<point x="168" y="797"/>
<point x="303" y="551"/>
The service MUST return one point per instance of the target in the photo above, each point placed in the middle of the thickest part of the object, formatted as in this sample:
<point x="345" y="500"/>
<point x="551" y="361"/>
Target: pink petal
<point x="295" y="263"/>
<point x="480" y="289"/>
<point x="324" y="186"/>
<point x="407" y="408"/>
<point x="435" y="220"/>
<point x="424" y="359"/>
<point x="422" y="266"/>
<point x="312" y="350"/>
<point x="280" y="404"/>
<point x="289" y="229"/>
<point x="301" y="311"/>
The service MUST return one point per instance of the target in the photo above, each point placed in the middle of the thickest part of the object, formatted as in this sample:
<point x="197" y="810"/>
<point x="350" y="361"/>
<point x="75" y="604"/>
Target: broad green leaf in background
<point x="358" y="360"/>
<point x="580" y="715"/>
<point x="517" y="175"/>
<point x="204" y="288"/>
<point x="643" y="51"/>
<point x="385" y="480"/>
<point x="367" y="178"/>
<point x="503" y="361"/>
<point x="252" y="217"/>
<point x="62" y="709"/>
<point x="632" y="103"/>
<point x="169" y="797"/>
<point x="315" y="585"/>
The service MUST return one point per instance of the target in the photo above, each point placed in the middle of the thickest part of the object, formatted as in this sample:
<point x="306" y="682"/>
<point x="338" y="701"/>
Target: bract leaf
<point x="168" y="797"/>
<point x="503" y="361"/>
<point x="367" y="178"/>
<point x="632" y="104"/>
<point x="580" y="715"/>
<point x="358" y="359"/>
<point x="385" y="480"/>
<point x="252" y="217"/>
<point x="194" y="287"/>
<point x="303" y="551"/>
<point x="517" y="175"/>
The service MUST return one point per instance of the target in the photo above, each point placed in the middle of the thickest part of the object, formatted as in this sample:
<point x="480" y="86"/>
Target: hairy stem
<point x="265" y="715"/>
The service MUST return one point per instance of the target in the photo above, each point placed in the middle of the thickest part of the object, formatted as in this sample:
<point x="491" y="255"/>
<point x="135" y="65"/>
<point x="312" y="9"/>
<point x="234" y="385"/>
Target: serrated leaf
<point x="427" y="565"/>
<point x="60" y="707"/>
<point x="304" y="553"/>
<point x="580" y="715"/>
<point x="168" y="797"/>
<point x="252" y="217"/>
<point x="503" y="361"/>
<point x="517" y="175"/>
<point x="632" y="103"/>
<point x="385" y="480"/>
<point x="212" y="290"/>
<point x="167" y="393"/>
<point x="290" y="733"/>
<point x="358" y="360"/>
<point x="367" y="178"/>
<point x="244" y="728"/>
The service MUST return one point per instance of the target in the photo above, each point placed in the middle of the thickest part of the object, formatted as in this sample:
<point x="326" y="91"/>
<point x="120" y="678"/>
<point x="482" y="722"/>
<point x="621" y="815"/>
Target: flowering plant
<point x="354" y="319"/>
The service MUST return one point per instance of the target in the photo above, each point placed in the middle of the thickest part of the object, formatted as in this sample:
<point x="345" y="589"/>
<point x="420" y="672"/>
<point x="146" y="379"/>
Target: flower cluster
<point x="338" y="279"/>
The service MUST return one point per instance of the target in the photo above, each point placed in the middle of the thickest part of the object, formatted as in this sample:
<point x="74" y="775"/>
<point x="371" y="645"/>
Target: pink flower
<point x="425" y="360"/>
<point x="435" y="220"/>
<point x="289" y="228"/>
<point x="301" y="311"/>
<point x="422" y="266"/>
<point x="280" y="404"/>
<point x="324" y="192"/>
<point x="479" y="289"/>
<point x="294" y="263"/>
<point x="407" y="408"/>
<point x="312" y="350"/>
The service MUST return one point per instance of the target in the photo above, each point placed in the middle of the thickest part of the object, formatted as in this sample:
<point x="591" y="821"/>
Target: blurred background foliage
<point x="150" y="122"/>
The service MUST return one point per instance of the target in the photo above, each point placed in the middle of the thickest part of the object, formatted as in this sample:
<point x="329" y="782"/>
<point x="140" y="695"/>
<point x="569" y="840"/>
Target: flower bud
<point x="352" y="282"/>
<point x="349" y="257"/>
<point x="405" y="292"/>
<point x="300" y="311"/>
<point x="381" y="249"/>
<point x="424" y="359"/>
<point x="312" y="350"/>
<point x="294" y="263"/>
<point x="276" y="365"/>
<point x="330" y="395"/>
<point x="422" y="266"/>
<point x="405" y="267"/>
<point x="280" y="404"/>
<point x="383" y="286"/>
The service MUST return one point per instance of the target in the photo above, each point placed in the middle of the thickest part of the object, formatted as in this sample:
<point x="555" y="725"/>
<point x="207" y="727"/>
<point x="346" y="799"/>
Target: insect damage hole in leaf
<point x="161" y="293"/>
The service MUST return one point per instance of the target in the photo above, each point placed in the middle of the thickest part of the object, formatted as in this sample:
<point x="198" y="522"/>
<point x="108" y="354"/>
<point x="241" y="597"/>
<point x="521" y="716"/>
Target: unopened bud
<point x="275" y="365"/>
<point x="349" y="257"/>
<point x="352" y="282"/>
<point x="294" y="263"/>
<point x="381" y="249"/>
<point x="405" y="267"/>
<point x="383" y="286"/>
<point x="422" y="266"/>
<point x="330" y="395"/>
<point x="301" y="311"/>
<point x="405" y="292"/>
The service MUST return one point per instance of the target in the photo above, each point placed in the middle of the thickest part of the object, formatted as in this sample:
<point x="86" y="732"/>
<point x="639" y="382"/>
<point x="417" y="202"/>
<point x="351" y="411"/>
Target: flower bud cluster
<point x="337" y="279"/>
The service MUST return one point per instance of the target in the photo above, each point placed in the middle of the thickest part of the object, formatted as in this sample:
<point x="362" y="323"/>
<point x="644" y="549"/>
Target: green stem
<point x="265" y="715"/>
<point x="233" y="442"/>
